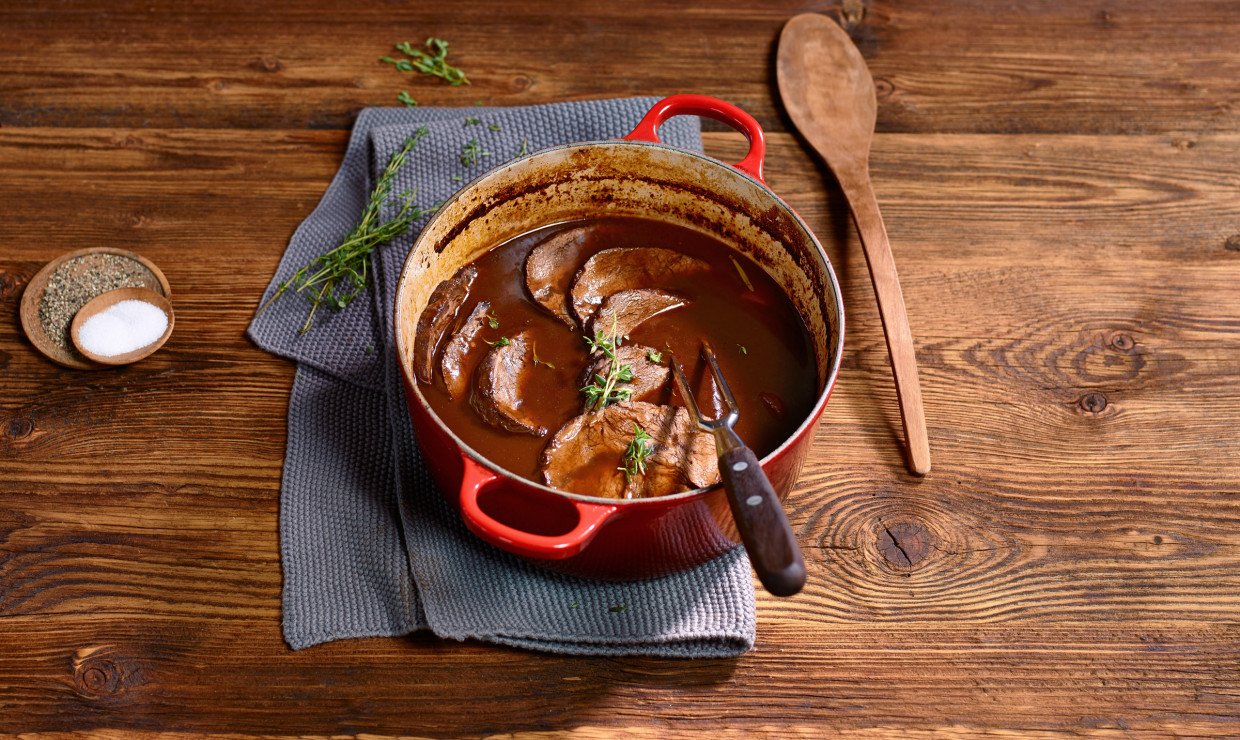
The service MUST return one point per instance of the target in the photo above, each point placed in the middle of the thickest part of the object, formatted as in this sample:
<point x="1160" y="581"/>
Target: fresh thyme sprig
<point x="471" y="151"/>
<point x="435" y="63"/>
<point x="336" y="277"/>
<point x="404" y="97"/>
<point x="635" y="456"/>
<point x="604" y="390"/>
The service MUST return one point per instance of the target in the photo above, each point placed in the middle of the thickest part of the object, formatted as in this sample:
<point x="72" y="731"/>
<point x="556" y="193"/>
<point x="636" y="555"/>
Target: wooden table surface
<point x="1060" y="181"/>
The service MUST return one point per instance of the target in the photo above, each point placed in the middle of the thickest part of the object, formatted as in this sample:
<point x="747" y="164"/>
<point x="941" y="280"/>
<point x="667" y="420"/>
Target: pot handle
<point x="702" y="105"/>
<point x="476" y="479"/>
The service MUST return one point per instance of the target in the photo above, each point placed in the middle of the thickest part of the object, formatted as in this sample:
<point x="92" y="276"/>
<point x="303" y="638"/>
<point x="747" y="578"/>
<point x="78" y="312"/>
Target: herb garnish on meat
<point x="603" y="391"/>
<point x="635" y="456"/>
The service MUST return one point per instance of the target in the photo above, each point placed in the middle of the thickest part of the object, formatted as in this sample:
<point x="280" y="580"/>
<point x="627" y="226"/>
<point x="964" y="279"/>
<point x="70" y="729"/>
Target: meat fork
<point x="759" y="515"/>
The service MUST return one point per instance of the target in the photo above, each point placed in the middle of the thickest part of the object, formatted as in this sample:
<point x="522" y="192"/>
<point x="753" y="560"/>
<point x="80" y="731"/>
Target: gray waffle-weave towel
<point x="368" y="546"/>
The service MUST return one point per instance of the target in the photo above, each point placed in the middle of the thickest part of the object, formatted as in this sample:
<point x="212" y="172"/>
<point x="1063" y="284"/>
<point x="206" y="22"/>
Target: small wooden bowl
<point x="33" y="296"/>
<point x="103" y="302"/>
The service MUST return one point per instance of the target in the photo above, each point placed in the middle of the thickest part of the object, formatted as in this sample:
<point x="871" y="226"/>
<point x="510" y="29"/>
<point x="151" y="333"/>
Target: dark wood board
<point x="1060" y="183"/>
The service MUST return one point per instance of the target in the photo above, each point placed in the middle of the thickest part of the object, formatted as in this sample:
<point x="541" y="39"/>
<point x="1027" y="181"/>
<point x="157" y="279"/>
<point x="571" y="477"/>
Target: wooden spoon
<point x="103" y="302"/>
<point x="827" y="90"/>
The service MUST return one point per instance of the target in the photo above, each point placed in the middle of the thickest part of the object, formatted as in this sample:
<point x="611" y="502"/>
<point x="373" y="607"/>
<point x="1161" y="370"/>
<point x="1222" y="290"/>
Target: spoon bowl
<point x="103" y="302"/>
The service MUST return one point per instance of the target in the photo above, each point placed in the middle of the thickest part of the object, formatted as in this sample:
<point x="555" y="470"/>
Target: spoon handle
<point x="762" y="523"/>
<point x="891" y="309"/>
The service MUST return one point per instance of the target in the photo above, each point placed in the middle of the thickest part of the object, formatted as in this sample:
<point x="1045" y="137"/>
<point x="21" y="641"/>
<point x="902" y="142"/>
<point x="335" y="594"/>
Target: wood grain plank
<point x="963" y="66"/>
<point x="79" y="672"/>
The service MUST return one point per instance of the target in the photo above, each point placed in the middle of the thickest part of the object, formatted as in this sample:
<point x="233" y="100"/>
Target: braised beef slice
<point x="498" y="383"/>
<point x="451" y="363"/>
<point x="444" y="303"/>
<point x="586" y="455"/>
<point x="625" y="268"/>
<point x="650" y="381"/>
<point x="626" y="310"/>
<point x="549" y="272"/>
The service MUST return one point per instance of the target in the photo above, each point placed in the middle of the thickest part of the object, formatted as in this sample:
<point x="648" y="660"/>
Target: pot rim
<point x="811" y="419"/>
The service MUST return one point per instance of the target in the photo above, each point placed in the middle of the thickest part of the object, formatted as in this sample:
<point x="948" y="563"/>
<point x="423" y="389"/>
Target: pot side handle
<point x="476" y="479"/>
<point x="703" y="105"/>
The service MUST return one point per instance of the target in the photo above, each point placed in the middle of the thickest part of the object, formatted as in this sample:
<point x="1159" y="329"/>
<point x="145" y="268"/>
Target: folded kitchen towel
<point x="369" y="546"/>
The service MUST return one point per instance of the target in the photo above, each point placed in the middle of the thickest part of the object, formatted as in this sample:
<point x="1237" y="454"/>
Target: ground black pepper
<point x="80" y="279"/>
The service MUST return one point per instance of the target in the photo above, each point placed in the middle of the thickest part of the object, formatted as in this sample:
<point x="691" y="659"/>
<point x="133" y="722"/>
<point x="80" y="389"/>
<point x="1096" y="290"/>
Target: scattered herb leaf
<point x="741" y="271"/>
<point x="743" y="350"/>
<point x="574" y="605"/>
<point x="435" y="63"/>
<point x="408" y="101"/>
<point x="457" y="178"/>
<point x="492" y="321"/>
<point x="654" y="356"/>
<point x="525" y="147"/>
<point x="471" y="121"/>
<point x="471" y="151"/>
<point x="339" y="275"/>
<point x="538" y="360"/>
<point x="617" y="609"/>
<point x="501" y="342"/>
<point x="638" y="450"/>
<point x="495" y="127"/>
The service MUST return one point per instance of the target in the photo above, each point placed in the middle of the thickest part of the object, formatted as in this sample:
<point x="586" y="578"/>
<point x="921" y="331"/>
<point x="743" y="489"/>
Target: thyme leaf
<point x="408" y="101"/>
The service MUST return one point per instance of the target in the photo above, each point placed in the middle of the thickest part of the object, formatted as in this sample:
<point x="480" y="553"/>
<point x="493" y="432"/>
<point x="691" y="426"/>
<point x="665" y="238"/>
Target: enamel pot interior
<point x="625" y="178"/>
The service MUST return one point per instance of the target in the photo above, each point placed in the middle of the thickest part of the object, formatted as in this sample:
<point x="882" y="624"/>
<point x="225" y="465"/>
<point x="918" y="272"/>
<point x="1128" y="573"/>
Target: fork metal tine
<point x="722" y="383"/>
<point x="686" y="393"/>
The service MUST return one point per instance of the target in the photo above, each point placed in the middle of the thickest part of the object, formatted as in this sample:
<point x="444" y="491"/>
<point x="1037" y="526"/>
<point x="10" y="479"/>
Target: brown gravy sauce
<point x="761" y="342"/>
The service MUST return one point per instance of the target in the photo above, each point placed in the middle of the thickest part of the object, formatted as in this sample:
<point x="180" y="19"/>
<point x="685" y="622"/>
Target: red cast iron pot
<point x="638" y="176"/>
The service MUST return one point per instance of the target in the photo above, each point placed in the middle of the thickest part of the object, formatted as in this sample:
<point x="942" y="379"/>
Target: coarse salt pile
<point x="122" y="327"/>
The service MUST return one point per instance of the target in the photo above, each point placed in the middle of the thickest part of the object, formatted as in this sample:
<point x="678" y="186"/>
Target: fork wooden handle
<point x="762" y="523"/>
<point x="869" y="220"/>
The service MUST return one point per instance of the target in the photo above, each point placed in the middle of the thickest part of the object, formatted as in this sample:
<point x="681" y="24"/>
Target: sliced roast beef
<point x="587" y="454"/>
<point x="624" y="268"/>
<point x="549" y="272"/>
<point x="441" y="309"/>
<point x="650" y="379"/>
<point x="452" y="362"/>
<point x="498" y="383"/>
<point x="621" y="313"/>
